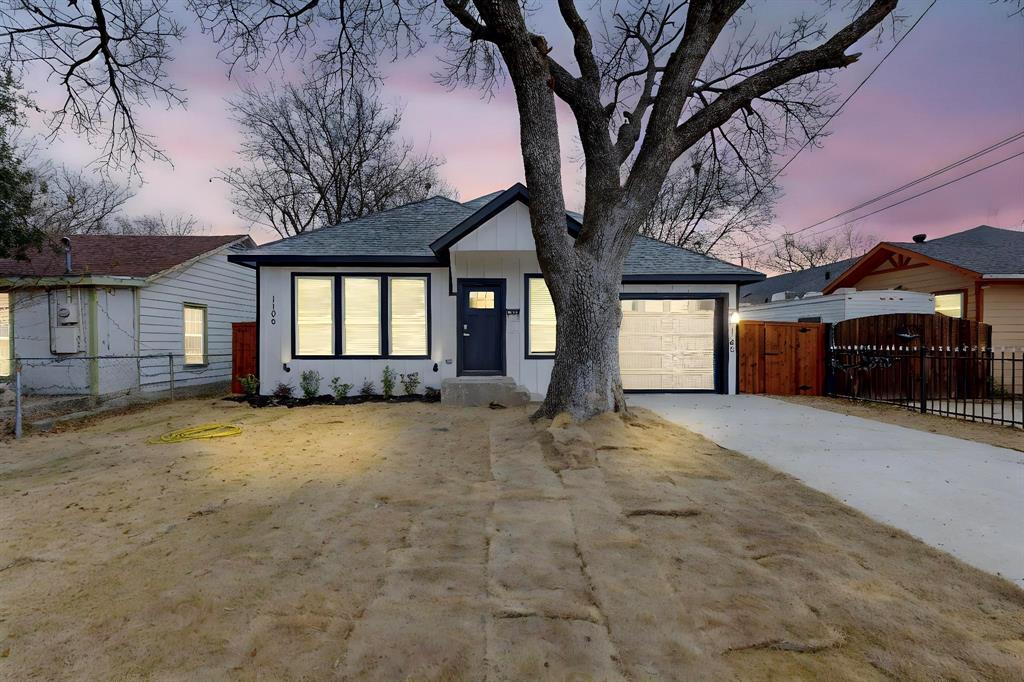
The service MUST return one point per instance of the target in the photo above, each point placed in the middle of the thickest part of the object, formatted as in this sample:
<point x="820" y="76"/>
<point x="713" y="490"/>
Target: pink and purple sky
<point x="955" y="85"/>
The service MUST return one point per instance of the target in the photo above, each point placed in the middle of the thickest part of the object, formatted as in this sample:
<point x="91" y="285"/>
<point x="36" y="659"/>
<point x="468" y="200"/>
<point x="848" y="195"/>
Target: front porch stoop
<point x="479" y="391"/>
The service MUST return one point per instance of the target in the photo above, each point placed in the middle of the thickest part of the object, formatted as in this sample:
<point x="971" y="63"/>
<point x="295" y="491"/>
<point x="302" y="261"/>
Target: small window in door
<point x="481" y="299"/>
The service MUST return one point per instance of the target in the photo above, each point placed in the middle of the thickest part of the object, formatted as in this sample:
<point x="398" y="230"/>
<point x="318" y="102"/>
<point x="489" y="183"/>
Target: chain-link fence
<point x="47" y="387"/>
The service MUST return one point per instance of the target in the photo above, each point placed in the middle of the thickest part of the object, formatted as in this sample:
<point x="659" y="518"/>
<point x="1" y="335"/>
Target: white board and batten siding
<point x="229" y="294"/>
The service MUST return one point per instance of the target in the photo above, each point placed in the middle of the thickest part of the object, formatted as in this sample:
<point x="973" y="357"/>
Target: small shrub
<point x="431" y="394"/>
<point x="250" y="384"/>
<point x="367" y="389"/>
<point x="339" y="389"/>
<point x="283" y="390"/>
<point x="387" y="381"/>
<point x="309" y="382"/>
<point x="410" y="382"/>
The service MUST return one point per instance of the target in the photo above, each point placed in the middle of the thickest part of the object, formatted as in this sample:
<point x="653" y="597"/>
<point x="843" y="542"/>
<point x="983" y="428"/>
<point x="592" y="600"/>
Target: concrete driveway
<point x="963" y="497"/>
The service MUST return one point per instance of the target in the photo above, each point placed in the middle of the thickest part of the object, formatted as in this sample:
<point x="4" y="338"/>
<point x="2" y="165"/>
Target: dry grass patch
<point x="419" y="542"/>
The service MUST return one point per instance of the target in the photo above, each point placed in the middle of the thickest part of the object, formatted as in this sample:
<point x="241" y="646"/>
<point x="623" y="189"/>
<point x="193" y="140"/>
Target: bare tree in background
<point x="711" y="205"/>
<point x="157" y="225"/>
<point x="316" y="156"/>
<point x="108" y="56"/>
<point x="70" y="202"/>
<point x="792" y="253"/>
<point x="648" y="88"/>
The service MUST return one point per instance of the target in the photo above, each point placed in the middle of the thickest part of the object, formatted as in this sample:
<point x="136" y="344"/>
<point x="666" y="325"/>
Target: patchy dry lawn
<point x="416" y="542"/>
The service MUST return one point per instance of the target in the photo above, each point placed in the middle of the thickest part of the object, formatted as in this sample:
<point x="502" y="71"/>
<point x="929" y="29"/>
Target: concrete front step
<point x="478" y="391"/>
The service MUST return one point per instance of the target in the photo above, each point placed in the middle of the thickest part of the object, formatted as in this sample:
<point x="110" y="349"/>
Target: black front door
<point x="481" y="326"/>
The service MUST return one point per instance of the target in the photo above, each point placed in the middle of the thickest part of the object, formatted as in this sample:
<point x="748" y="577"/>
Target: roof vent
<point x="919" y="238"/>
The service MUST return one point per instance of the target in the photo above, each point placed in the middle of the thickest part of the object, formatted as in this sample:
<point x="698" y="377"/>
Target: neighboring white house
<point x="842" y="305"/>
<point x="116" y="314"/>
<point x="451" y="289"/>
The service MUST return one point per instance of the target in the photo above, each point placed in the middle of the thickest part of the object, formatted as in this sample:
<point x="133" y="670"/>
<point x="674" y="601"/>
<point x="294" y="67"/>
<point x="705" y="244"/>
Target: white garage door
<point x="667" y="344"/>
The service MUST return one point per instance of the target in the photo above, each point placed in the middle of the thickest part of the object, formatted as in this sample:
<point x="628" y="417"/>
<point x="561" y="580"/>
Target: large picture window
<point x="195" y="334"/>
<point x="407" y="333"/>
<point x="5" y="335"/>
<point x="314" y="316"/>
<point x="360" y="315"/>
<point x="540" y="312"/>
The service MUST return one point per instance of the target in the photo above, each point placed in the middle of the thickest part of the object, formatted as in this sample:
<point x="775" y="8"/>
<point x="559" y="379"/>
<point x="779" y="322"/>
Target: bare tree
<point x="792" y="253"/>
<point x="650" y="81"/>
<point x="647" y="87"/>
<point x="70" y="201"/>
<point x="709" y="204"/>
<point x="108" y="56"/>
<point x="157" y="225"/>
<point x="317" y="155"/>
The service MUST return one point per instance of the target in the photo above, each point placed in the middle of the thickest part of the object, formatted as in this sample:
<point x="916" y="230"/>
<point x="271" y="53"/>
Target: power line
<point x="967" y="159"/>
<point x="960" y="162"/>
<point x="927" y="191"/>
<point x="835" y="113"/>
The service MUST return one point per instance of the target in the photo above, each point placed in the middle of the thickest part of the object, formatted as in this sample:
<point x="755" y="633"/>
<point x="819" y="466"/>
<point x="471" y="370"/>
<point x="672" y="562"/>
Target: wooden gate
<point x="782" y="358"/>
<point x="243" y="352"/>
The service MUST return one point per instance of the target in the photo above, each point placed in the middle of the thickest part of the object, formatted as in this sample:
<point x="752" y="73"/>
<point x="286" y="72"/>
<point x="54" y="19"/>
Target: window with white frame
<point x="5" y="335"/>
<point x="407" y="305"/>
<point x="195" y="334"/>
<point x="360" y="315"/>
<point x="540" y="312"/>
<point x="314" y="316"/>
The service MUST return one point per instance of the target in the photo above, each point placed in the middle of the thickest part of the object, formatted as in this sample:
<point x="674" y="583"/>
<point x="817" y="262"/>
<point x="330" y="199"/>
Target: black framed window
<point x="360" y="315"/>
<point x="314" y="315"/>
<point x="541" y="327"/>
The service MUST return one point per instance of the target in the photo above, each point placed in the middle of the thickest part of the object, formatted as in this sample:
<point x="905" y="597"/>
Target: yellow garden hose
<point x="201" y="432"/>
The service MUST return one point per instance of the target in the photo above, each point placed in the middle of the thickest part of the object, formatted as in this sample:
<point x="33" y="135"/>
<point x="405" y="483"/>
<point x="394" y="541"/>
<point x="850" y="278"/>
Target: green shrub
<point x="250" y="384"/>
<point x="339" y="389"/>
<point x="387" y="381"/>
<point x="367" y="389"/>
<point x="410" y="382"/>
<point x="283" y="390"/>
<point x="309" y="382"/>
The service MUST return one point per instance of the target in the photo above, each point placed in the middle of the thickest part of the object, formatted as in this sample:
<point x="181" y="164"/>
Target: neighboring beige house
<point x="976" y="274"/>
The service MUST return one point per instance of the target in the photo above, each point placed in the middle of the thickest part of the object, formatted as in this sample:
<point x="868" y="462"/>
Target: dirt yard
<point x="415" y="542"/>
<point x="992" y="434"/>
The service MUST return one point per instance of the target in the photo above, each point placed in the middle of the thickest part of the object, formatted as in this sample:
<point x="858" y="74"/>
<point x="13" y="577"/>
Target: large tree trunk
<point x="585" y="378"/>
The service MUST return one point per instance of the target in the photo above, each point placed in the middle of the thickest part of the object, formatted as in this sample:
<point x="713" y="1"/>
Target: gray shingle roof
<point x="652" y="257"/>
<point x="800" y="282"/>
<point x="984" y="249"/>
<point x="407" y="231"/>
<point x="403" y="231"/>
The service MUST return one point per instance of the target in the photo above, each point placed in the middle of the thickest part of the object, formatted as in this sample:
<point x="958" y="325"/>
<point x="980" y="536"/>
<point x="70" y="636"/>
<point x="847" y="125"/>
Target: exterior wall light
<point x="734" y="317"/>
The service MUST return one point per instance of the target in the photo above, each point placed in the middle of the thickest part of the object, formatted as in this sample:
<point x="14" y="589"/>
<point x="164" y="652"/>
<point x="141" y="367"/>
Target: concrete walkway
<point x="963" y="497"/>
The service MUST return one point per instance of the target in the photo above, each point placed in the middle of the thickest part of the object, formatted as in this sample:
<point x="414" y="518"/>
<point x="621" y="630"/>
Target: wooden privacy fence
<point x="243" y="352"/>
<point x="932" y="331"/>
<point x="782" y="358"/>
<point x="929" y="363"/>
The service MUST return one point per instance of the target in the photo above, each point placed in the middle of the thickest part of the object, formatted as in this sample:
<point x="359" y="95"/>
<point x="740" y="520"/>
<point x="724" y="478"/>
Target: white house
<point x="104" y="315"/>
<point x="451" y="289"/>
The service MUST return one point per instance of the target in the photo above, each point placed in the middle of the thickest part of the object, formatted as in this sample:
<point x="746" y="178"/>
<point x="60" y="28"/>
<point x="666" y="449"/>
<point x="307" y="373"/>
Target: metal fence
<point x="56" y="385"/>
<point x="974" y="384"/>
